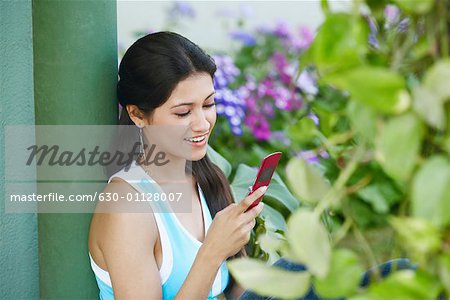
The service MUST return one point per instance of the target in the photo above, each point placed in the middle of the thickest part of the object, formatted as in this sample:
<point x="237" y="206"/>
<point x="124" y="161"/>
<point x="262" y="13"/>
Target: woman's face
<point x="183" y="124"/>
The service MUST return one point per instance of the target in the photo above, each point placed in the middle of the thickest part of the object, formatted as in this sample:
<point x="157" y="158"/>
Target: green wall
<point x="58" y="63"/>
<point x="75" y="72"/>
<point x="18" y="232"/>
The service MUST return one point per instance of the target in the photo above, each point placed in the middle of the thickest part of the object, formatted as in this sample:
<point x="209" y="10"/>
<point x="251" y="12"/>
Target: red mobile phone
<point x="264" y="175"/>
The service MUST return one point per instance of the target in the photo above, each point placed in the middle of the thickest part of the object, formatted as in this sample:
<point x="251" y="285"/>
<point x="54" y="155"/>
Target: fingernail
<point x="264" y="188"/>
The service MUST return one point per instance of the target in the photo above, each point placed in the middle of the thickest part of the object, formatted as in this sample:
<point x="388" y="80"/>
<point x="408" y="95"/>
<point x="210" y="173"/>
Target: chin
<point x="196" y="156"/>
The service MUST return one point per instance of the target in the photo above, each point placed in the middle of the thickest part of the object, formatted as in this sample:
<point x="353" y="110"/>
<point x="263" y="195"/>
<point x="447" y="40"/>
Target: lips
<point x="199" y="135"/>
<point x="196" y="139"/>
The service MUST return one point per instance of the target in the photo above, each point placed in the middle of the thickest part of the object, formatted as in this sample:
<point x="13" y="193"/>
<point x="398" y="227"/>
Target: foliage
<point x="361" y="112"/>
<point x="386" y="131"/>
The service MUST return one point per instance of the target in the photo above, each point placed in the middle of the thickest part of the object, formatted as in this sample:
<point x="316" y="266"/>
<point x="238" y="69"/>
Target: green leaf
<point x="429" y="106"/>
<point x="446" y="143"/>
<point x="273" y="219"/>
<point x="306" y="181"/>
<point x="381" y="194"/>
<point x="340" y="43"/>
<point x="406" y="284"/>
<point x="371" y="194"/>
<point x="309" y="241"/>
<point x="328" y="120"/>
<point x="399" y="144"/>
<point x="377" y="87"/>
<point x="444" y="271"/>
<point x="419" y="236"/>
<point x="343" y="278"/>
<point x="303" y="131"/>
<point x="268" y="280"/>
<point x="271" y="241"/>
<point x="436" y="79"/>
<point x="417" y="7"/>
<point x="219" y="160"/>
<point x="431" y="191"/>
<point x="429" y="98"/>
<point x="363" y="119"/>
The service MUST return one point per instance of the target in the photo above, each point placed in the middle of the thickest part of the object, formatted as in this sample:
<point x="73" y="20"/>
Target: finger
<point x="251" y="224"/>
<point x="248" y="228"/>
<point x="253" y="213"/>
<point x="247" y="201"/>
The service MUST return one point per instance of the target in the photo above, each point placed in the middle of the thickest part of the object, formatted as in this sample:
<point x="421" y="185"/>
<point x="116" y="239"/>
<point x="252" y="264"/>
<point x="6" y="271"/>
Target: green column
<point x="75" y="71"/>
<point x="18" y="232"/>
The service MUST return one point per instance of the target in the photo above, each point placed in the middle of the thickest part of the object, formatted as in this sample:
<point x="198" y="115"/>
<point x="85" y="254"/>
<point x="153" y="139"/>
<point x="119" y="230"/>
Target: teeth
<point x="199" y="139"/>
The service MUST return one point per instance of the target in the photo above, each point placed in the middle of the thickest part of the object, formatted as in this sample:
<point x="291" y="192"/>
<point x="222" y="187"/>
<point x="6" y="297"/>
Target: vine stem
<point x="336" y="192"/>
<point x="342" y="232"/>
<point x="366" y="246"/>
<point x="325" y="7"/>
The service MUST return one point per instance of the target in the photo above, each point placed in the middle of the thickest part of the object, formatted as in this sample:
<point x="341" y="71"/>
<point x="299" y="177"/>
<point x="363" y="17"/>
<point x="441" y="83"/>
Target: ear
<point x="135" y="114"/>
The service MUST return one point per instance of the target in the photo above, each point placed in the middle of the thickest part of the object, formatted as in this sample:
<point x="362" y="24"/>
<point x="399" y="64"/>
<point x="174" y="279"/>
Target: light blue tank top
<point x="179" y="247"/>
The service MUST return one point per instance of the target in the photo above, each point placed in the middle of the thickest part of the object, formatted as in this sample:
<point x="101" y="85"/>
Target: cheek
<point x="212" y="117"/>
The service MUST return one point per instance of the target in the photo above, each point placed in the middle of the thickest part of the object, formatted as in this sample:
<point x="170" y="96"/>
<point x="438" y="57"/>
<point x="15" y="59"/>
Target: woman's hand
<point x="232" y="226"/>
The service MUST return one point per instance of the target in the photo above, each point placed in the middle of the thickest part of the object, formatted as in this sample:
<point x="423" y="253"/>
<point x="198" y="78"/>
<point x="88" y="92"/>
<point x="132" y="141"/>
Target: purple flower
<point x="314" y="118"/>
<point x="267" y="109"/>
<point x="403" y="25"/>
<point x="313" y="157"/>
<point x="264" y="29"/>
<point x="306" y="37"/>
<point x="299" y="41"/>
<point x="286" y="99"/>
<point x="282" y="29"/>
<point x="237" y="131"/>
<point x="307" y="83"/>
<point x="373" y="41"/>
<point x="282" y="66"/>
<point x="280" y="136"/>
<point x="259" y="126"/>
<point x="226" y="71"/>
<point x="309" y="156"/>
<point x="251" y="103"/>
<point x="392" y="14"/>
<point x="228" y="102"/>
<point x="181" y="9"/>
<point x="246" y="38"/>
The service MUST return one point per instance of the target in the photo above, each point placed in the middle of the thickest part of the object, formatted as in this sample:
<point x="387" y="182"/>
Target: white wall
<point x="208" y="29"/>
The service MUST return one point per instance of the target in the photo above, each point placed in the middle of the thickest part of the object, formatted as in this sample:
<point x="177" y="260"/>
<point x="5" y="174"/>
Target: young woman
<point x="166" y="80"/>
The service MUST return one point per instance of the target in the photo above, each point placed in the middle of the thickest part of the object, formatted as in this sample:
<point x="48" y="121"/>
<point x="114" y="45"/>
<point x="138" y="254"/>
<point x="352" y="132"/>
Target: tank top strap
<point x="143" y="183"/>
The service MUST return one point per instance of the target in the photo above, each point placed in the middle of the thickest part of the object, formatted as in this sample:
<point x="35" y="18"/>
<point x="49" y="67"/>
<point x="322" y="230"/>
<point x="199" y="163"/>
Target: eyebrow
<point x="190" y="103"/>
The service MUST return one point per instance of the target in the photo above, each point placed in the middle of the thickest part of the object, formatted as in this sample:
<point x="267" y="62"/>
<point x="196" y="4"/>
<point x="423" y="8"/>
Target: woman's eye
<point x="183" y="114"/>
<point x="187" y="113"/>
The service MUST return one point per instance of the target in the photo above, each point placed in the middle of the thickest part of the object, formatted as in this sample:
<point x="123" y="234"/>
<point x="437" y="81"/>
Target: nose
<point x="200" y="122"/>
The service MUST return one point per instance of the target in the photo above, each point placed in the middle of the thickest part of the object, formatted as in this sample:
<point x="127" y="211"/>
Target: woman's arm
<point x="200" y="279"/>
<point x="236" y="292"/>
<point x="133" y="269"/>
<point x="127" y="245"/>
<point x="128" y="249"/>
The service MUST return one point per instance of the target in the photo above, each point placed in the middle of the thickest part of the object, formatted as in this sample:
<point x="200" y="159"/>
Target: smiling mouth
<point x="196" y="139"/>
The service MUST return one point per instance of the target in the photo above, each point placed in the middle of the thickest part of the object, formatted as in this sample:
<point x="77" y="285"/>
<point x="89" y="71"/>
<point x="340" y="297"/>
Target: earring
<point x="141" y="145"/>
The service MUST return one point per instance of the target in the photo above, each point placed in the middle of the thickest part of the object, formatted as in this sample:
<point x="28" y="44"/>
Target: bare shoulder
<point x="124" y="242"/>
<point x="115" y="219"/>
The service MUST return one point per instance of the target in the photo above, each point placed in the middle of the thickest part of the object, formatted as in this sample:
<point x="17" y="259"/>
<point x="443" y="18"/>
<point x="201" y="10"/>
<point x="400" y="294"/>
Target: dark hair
<point x="148" y="73"/>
